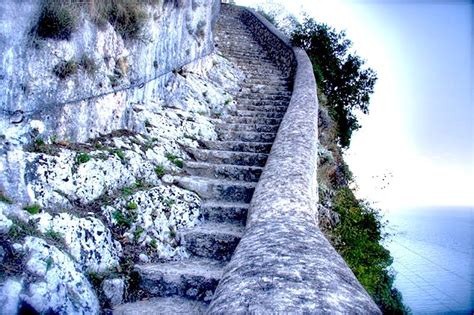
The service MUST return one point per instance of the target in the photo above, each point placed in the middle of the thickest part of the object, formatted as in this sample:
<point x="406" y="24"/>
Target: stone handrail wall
<point x="283" y="262"/>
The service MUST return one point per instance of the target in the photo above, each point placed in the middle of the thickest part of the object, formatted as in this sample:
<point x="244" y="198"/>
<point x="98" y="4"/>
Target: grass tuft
<point x="160" y="171"/>
<point x="33" y="209"/>
<point x="57" y="20"/>
<point x="65" y="69"/>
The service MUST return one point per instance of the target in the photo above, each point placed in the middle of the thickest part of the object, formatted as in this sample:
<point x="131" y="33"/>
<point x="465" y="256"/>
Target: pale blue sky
<point x="419" y="133"/>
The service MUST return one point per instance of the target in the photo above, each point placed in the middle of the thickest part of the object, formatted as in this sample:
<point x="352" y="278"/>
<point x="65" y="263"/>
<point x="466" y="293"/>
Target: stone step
<point x="255" y="147"/>
<point x="243" y="97"/>
<point x="247" y="136"/>
<point x="228" y="157"/>
<point x="262" y="102"/>
<point x="264" y="88"/>
<point x="261" y="113"/>
<point x="194" y="278"/>
<point x="268" y="81"/>
<point x="223" y="171"/>
<point x="268" y="94"/>
<point x="260" y="68"/>
<point x="252" y="77"/>
<point x="267" y="108"/>
<point x="248" y="127"/>
<point x="224" y="212"/>
<point x="231" y="52"/>
<point x="254" y="60"/>
<point x="161" y="306"/>
<point x="218" y="189"/>
<point x="253" y="120"/>
<point x="212" y="240"/>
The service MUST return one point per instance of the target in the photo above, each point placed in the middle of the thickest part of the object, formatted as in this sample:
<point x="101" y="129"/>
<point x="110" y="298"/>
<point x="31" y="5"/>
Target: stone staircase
<point x="224" y="173"/>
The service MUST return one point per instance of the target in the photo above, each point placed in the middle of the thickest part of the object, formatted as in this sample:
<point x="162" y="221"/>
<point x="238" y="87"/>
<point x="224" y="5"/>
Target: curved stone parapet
<point x="283" y="262"/>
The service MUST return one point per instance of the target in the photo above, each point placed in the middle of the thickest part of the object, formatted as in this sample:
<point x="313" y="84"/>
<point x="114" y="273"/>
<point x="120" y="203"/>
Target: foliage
<point x="339" y="74"/>
<point x="57" y="20"/>
<point x="82" y="158"/>
<point x="357" y="239"/>
<point x="65" y="69"/>
<point x="88" y="64"/>
<point x="121" y="219"/>
<point x="160" y="171"/>
<point x="120" y="154"/>
<point x="132" y="205"/>
<point x="127" y="17"/>
<point x="32" y="209"/>
<point x="175" y="160"/>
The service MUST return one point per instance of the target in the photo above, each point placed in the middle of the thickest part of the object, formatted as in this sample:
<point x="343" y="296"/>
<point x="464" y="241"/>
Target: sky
<point x="416" y="146"/>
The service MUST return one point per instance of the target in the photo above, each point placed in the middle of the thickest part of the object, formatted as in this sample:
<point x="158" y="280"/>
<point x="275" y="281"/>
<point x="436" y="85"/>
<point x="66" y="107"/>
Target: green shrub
<point x="82" y="158"/>
<point x="32" y="209"/>
<point x="132" y="205"/>
<point x="121" y="219"/>
<point x="160" y="171"/>
<point x="57" y="20"/>
<point x="175" y="160"/>
<point x="358" y="239"/>
<point x="120" y="154"/>
<point x="65" y="69"/>
<point x="138" y="232"/>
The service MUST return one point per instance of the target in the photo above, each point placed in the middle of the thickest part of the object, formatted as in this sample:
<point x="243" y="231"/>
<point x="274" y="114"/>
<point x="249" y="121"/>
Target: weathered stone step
<point x="228" y="157"/>
<point x="254" y="60"/>
<point x="264" y="88"/>
<point x="161" y="306"/>
<point x="255" y="147"/>
<point x="268" y="81"/>
<point x="264" y="97"/>
<point x="230" y="52"/>
<point x="261" y="69"/>
<point x="247" y="136"/>
<point x="253" y="120"/>
<point x="267" y="108"/>
<point x="262" y="102"/>
<point x="194" y="278"/>
<point x="218" y="189"/>
<point x="224" y="212"/>
<point x="248" y="127"/>
<point x="255" y="77"/>
<point x="223" y="171"/>
<point x="260" y="113"/>
<point x="212" y="240"/>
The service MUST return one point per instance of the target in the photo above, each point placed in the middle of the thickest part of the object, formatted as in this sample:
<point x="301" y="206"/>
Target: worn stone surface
<point x="58" y="282"/>
<point x="175" y="35"/>
<point x="10" y="296"/>
<point x="283" y="262"/>
<point x="166" y="305"/>
<point x="113" y="290"/>
<point x="157" y="215"/>
<point x="82" y="188"/>
<point x="88" y="240"/>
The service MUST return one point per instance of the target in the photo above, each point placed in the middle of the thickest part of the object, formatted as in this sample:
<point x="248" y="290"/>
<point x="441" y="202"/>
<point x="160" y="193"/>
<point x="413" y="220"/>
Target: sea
<point x="433" y="258"/>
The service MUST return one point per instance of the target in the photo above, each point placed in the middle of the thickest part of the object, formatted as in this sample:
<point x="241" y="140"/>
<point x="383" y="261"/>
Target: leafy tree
<point x="339" y="74"/>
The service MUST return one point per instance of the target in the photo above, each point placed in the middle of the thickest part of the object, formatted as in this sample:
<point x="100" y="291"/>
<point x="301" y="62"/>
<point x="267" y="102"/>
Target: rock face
<point x="102" y="61"/>
<point x="59" y="285"/>
<point x="83" y="213"/>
